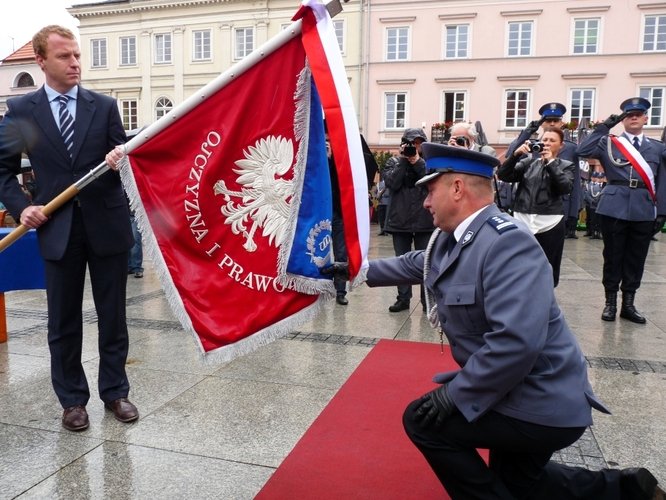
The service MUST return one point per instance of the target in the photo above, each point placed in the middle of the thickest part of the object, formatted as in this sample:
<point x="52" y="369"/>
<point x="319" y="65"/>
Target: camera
<point x="409" y="149"/>
<point x="462" y="141"/>
<point x="536" y="146"/>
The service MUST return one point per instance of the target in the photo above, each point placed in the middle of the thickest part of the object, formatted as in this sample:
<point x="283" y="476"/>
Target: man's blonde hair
<point x="40" y="39"/>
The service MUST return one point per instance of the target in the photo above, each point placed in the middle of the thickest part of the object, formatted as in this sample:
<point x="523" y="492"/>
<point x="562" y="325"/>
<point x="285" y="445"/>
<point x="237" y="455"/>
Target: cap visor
<point x="427" y="178"/>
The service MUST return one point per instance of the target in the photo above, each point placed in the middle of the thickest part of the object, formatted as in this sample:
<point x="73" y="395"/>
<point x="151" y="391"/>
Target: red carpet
<point x="357" y="448"/>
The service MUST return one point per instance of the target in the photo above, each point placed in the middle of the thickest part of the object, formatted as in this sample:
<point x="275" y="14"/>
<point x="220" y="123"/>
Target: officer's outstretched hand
<point x="613" y="120"/>
<point x="435" y="406"/>
<point x="338" y="270"/>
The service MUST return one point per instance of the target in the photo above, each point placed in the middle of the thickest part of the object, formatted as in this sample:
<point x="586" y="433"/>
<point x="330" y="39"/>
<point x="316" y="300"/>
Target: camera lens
<point x="536" y="147"/>
<point x="461" y="141"/>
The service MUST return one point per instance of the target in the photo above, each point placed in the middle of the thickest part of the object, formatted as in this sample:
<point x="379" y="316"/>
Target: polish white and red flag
<point x="232" y="191"/>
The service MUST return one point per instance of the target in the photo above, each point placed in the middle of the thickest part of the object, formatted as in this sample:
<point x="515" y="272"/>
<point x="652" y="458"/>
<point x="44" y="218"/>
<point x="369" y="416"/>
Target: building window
<point x="397" y="43"/>
<point x="516" y="104"/>
<point x="654" y="33"/>
<point x="163" y="48"/>
<point x="456" y="42"/>
<point x="129" y="110"/>
<point x="98" y="52"/>
<point x="201" y="45"/>
<point x="520" y="38"/>
<point x="656" y="97"/>
<point x="24" y="80"/>
<point x="395" y="110"/>
<point x="127" y="50"/>
<point x="582" y="105"/>
<point x="339" y="27"/>
<point x="586" y="36"/>
<point x="244" y="38"/>
<point x="454" y="106"/>
<point x="162" y="107"/>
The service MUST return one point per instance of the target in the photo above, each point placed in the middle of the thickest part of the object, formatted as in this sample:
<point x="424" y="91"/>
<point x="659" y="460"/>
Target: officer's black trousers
<point x="626" y="245"/>
<point x="519" y="465"/>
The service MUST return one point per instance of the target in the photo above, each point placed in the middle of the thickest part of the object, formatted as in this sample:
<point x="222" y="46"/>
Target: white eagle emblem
<point x="265" y="197"/>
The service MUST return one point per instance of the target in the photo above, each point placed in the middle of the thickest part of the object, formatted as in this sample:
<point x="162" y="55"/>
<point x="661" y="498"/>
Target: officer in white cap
<point x="522" y="389"/>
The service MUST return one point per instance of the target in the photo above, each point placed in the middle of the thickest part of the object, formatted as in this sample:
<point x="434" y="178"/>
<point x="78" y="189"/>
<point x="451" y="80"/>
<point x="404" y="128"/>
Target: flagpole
<point x="334" y="7"/>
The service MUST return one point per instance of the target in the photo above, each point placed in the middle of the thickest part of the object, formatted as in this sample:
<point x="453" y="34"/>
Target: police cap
<point x="635" y="104"/>
<point x="552" y="110"/>
<point x="441" y="159"/>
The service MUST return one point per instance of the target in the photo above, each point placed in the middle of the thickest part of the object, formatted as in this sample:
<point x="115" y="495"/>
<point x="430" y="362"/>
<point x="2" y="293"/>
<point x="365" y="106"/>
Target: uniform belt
<point x="632" y="183"/>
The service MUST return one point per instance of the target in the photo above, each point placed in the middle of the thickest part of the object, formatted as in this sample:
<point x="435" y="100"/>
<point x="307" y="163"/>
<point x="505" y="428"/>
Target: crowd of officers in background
<point x="578" y="175"/>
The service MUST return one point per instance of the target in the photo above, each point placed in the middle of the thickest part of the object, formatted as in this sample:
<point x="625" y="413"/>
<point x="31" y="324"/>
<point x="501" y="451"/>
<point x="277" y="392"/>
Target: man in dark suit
<point x="93" y="230"/>
<point x="630" y="206"/>
<point x="522" y="389"/>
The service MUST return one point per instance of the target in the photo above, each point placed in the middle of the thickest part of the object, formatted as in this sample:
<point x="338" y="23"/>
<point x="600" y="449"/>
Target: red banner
<point x="215" y="190"/>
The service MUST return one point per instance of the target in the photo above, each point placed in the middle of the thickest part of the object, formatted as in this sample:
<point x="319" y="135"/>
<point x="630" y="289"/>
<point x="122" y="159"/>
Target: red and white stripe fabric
<point x="638" y="162"/>
<point x="321" y="47"/>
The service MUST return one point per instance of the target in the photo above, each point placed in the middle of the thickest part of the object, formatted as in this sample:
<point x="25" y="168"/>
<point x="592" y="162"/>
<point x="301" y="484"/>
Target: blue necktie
<point x="637" y="144"/>
<point x="66" y="124"/>
<point x="450" y="243"/>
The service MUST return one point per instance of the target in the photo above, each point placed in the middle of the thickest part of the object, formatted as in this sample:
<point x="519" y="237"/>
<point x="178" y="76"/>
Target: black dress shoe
<point x="639" y="483"/>
<point x="75" y="418"/>
<point x="400" y="305"/>
<point x="342" y="300"/>
<point x="123" y="410"/>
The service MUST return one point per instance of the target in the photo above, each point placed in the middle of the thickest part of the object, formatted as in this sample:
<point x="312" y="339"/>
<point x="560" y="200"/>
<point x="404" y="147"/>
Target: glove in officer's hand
<point x="533" y="126"/>
<point x="435" y="406"/>
<point x="338" y="270"/>
<point x="613" y="120"/>
<point x="658" y="223"/>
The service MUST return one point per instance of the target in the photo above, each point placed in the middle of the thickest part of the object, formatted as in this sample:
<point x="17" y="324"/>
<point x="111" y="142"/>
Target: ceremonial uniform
<point x="522" y="389"/>
<point x="626" y="208"/>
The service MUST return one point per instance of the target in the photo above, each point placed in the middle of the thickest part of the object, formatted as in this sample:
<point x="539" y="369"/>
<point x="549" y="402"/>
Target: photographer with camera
<point x="464" y="135"/>
<point x="407" y="221"/>
<point x="628" y="209"/>
<point x="552" y="114"/>
<point x="543" y="178"/>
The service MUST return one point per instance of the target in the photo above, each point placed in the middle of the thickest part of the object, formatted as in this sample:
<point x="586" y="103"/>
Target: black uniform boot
<point x="628" y="310"/>
<point x="610" y="310"/>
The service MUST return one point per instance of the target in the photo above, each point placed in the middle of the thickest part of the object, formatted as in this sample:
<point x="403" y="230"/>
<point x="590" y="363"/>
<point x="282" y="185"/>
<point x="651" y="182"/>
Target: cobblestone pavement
<point x="219" y="431"/>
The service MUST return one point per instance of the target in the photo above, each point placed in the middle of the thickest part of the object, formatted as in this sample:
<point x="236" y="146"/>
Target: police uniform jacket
<point x="29" y="126"/>
<point x="618" y="199"/>
<point x="496" y="305"/>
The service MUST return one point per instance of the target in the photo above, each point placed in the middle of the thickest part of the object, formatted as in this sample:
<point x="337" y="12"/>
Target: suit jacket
<point x="29" y="127"/>
<point x="524" y="365"/>
<point x="624" y="202"/>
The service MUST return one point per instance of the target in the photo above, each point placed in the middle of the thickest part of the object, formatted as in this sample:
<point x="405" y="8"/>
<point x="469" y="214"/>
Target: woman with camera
<point x="542" y="179"/>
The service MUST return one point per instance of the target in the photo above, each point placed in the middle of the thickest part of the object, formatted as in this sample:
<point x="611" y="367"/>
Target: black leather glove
<point x="533" y="126"/>
<point x="613" y="120"/>
<point x="658" y="224"/>
<point x="435" y="406"/>
<point x="338" y="270"/>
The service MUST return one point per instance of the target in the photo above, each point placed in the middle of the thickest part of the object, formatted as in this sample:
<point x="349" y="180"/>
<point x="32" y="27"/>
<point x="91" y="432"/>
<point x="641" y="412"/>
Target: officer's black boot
<point x="628" y="310"/>
<point x="610" y="310"/>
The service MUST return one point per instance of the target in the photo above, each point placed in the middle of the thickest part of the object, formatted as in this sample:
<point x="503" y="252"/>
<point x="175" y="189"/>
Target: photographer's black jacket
<point x="406" y="212"/>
